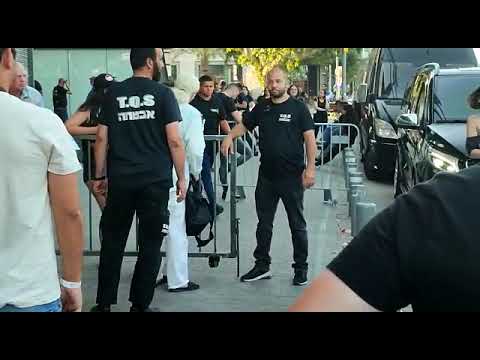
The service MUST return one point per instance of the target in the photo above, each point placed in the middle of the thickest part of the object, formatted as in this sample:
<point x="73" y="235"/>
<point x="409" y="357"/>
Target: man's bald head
<point x="277" y="81"/>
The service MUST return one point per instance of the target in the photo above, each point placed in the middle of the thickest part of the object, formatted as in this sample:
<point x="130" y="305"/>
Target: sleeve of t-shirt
<point x="306" y="120"/>
<point x="373" y="265"/>
<point x="230" y="106"/>
<point x="221" y="111"/>
<point x="250" y="119"/>
<point x="169" y="107"/>
<point x="59" y="146"/>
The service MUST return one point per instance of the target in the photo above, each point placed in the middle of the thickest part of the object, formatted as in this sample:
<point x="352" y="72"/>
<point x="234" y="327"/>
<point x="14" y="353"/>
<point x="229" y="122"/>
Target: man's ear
<point x="149" y="63"/>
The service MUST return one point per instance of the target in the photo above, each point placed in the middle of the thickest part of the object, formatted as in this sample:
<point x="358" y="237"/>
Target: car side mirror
<point x="362" y="93"/>
<point x="407" y="121"/>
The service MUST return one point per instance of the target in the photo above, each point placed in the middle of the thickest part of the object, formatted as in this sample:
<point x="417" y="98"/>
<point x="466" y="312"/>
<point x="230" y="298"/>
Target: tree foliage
<point x="264" y="59"/>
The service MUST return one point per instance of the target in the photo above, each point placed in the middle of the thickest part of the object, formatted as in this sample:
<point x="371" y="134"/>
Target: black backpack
<point x="197" y="212"/>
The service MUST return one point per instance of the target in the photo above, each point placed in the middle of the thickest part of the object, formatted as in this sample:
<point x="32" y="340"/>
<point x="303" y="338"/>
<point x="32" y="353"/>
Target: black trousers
<point x="62" y="113"/>
<point x="267" y="195"/>
<point x="150" y="202"/>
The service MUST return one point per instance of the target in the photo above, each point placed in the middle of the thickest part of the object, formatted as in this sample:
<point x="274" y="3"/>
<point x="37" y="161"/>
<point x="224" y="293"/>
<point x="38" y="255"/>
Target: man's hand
<point x="71" y="300"/>
<point x="308" y="178"/>
<point x="181" y="190"/>
<point x="227" y="147"/>
<point x="99" y="187"/>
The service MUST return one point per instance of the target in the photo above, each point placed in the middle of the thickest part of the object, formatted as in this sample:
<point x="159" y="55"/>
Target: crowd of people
<point x="149" y="145"/>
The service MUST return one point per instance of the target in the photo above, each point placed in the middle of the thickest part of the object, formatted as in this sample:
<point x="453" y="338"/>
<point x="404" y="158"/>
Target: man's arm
<point x="238" y="130"/>
<point x="329" y="294"/>
<point x="237" y="116"/>
<point x="177" y="151"/>
<point x="101" y="144"/>
<point x="65" y="203"/>
<point x="311" y="147"/>
<point x="224" y="127"/>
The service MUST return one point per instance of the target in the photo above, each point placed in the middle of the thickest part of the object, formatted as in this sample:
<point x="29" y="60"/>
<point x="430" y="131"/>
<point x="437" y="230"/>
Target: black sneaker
<point x="162" y="281"/>
<point x="219" y="209"/>
<point x="300" y="278"/>
<point x="255" y="274"/>
<point x="190" y="287"/>
<point x="101" y="308"/>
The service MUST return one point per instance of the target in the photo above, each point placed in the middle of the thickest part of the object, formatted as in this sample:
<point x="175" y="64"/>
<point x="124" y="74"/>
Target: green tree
<point x="204" y="55"/>
<point x="264" y="59"/>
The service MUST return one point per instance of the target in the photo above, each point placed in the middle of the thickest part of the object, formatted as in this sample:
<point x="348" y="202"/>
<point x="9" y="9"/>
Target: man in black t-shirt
<point x="227" y="97"/>
<point x="214" y="117"/>
<point x="139" y="124"/>
<point x="60" y="102"/>
<point x="422" y="251"/>
<point x="285" y="126"/>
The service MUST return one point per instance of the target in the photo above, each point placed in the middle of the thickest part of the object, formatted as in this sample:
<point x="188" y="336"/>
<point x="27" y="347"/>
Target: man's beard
<point x="277" y="94"/>
<point x="156" y="72"/>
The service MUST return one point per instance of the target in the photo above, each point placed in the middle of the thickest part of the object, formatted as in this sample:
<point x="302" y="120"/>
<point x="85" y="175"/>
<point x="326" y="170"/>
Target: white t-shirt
<point x="191" y="129"/>
<point x="33" y="142"/>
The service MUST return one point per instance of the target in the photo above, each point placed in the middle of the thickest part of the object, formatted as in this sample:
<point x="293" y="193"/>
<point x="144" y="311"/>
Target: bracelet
<point x="99" y="178"/>
<point x="70" y="285"/>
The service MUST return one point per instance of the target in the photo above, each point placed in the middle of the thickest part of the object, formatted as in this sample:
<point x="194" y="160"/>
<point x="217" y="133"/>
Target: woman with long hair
<point x="84" y="122"/>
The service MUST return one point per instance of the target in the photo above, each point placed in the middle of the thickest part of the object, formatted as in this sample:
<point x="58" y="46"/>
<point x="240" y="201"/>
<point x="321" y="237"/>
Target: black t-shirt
<point x="212" y="111"/>
<point x="244" y="98"/>
<point x="423" y="250"/>
<point x="281" y="130"/>
<point x="136" y="112"/>
<point x="59" y="97"/>
<point x="228" y="105"/>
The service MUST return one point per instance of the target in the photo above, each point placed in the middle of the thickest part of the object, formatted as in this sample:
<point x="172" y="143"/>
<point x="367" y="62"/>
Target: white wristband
<point x="70" y="285"/>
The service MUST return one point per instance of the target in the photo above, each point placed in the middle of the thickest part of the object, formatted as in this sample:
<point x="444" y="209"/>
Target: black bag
<point x="197" y="212"/>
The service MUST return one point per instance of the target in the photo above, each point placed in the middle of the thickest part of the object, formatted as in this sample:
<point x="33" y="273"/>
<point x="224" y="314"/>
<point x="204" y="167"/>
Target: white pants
<point x="175" y="265"/>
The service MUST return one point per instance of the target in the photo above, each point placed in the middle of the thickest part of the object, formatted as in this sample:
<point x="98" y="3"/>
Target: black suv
<point x="389" y="71"/>
<point x="432" y="126"/>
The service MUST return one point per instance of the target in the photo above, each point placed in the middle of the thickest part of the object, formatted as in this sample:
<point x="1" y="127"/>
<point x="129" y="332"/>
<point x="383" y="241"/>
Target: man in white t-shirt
<point x="40" y="203"/>
<point x="175" y="268"/>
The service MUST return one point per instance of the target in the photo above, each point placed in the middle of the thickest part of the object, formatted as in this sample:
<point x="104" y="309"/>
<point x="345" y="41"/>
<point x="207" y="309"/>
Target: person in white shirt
<point x="21" y="89"/>
<point x="175" y="268"/>
<point x="40" y="203"/>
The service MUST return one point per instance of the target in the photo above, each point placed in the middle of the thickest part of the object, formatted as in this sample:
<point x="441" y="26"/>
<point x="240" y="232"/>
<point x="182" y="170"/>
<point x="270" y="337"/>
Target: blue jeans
<point x="327" y="133"/>
<point x="55" y="306"/>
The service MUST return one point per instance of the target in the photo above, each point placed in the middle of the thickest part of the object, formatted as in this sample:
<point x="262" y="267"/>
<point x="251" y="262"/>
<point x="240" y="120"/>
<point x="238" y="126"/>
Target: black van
<point x="432" y="126"/>
<point x="389" y="72"/>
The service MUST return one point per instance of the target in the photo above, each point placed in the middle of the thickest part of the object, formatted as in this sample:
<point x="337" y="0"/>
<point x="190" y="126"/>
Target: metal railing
<point x="214" y="257"/>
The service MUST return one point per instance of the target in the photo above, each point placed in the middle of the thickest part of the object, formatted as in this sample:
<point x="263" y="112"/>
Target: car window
<point x="450" y="97"/>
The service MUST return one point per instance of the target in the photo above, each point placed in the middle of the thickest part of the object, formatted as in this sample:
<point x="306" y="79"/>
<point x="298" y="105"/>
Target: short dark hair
<point x="474" y="99"/>
<point x="14" y="52"/>
<point x="205" y="78"/>
<point x="139" y="56"/>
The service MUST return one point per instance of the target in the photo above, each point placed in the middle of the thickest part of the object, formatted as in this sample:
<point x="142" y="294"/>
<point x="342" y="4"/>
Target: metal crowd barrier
<point x="214" y="256"/>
